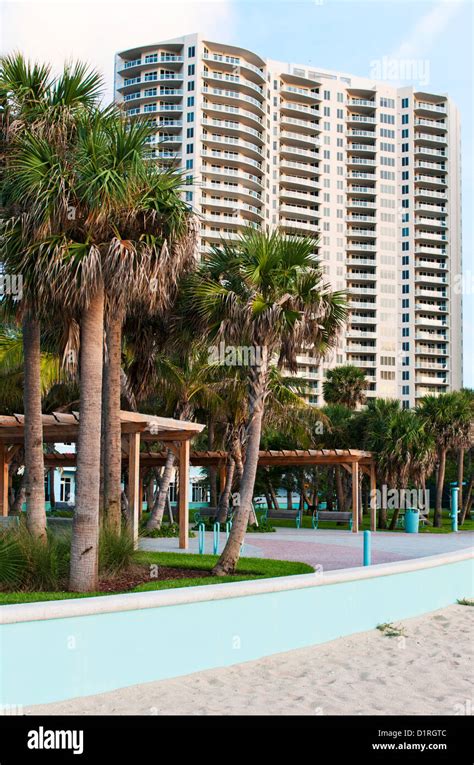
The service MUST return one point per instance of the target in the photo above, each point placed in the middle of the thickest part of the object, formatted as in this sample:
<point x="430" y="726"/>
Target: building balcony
<point x="304" y="226"/>
<point x="294" y="151"/>
<point x="233" y="96"/>
<point x="358" y="348"/>
<point x="299" y="109"/>
<point x="307" y="169"/>
<point x="363" y="119"/>
<point x="355" y="276"/>
<point x="299" y="211"/>
<point x="361" y="246"/>
<point x="303" y="140"/>
<point x="215" y="171"/>
<point x="361" y="203"/>
<point x="231" y="156"/>
<point x="244" y="115"/>
<point x="425" y="106"/>
<point x="306" y="126"/>
<point x="432" y="124"/>
<point x="365" y="102"/>
<point x="365" y="161"/>
<point x="234" y="127"/>
<point x="366" y="233"/>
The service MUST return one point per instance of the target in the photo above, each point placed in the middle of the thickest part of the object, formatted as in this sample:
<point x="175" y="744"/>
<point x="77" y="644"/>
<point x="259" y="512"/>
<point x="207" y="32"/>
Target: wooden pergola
<point x="60" y="427"/>
<point x="354" y="461"/>
<point x="139" y="429"/>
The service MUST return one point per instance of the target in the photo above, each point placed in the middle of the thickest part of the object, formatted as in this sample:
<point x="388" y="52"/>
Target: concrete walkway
<point x="330" y="549"/>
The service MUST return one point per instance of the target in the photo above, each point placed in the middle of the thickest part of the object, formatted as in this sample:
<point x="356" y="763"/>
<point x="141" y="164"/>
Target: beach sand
<point x="427" y="670"/>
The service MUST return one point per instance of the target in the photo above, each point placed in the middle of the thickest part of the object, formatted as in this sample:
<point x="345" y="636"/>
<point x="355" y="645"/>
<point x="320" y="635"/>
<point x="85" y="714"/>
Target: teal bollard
<point x="216" y="529"/>
<point x="454" y="507"/>
<point x="201" y="529"/>
<point x="367" y="549"/>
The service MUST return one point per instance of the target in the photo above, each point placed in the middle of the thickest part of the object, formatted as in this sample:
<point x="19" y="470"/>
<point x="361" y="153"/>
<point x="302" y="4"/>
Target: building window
<point x="191" y="69"/>
<point x="189" y="164"/>
<point x="191" y="85"/>
<point x="190" y="101"/>
<point x="65" y="489"/>
<point x="190" y="133"/>
<point x="191" y="51"/>
<point x="189" y="148"/>
<point x="405" y="102"/>
<point x="190" y="117"/>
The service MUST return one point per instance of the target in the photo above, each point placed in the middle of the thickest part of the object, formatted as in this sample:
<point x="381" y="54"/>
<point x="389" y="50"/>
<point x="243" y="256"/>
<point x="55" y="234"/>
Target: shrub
<point x="263" y="528"/>
<point x="34" y="564"/>
<point x="166" y="530"/>
<point x="116" y="550"/>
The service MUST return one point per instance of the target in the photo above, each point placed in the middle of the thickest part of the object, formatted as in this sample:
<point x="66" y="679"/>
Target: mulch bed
<point x="127" y="580"/>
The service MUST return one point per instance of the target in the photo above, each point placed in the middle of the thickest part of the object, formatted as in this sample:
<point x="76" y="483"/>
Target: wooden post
<point x="183" y="499"/>
<point x="373" y="498"/>
<point x="134" y="482"/>
<point x="355" y="497"/>
<point x="3" y="480"/>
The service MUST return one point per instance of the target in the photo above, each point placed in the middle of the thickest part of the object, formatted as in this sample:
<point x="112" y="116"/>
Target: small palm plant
<point x="265" y="293"/>
<point x="345" y="385"/>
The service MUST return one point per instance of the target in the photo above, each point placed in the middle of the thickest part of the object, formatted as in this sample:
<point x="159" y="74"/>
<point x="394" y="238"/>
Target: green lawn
<point x="248" y="568"/>
<point x="445" y="528"/>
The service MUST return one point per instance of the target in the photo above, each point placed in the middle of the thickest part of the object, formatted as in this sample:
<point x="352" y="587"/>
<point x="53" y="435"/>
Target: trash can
<point x="412" y="520"/>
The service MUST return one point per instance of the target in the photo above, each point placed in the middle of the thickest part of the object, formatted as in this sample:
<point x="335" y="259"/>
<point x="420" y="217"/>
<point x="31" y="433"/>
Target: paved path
<point x="331" y="549"/>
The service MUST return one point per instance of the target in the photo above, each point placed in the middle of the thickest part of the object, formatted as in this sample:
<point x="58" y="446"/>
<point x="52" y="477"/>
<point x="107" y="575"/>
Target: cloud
<point x="427" y="30"/>
<point x="95" y="31"/>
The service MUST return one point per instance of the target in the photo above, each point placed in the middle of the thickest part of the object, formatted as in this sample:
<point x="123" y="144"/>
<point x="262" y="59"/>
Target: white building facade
<point x="370" y="169"/>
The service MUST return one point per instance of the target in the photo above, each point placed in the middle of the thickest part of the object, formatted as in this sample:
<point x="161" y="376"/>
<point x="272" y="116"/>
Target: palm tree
<point x="81" y="193"/>
<point x="345" y="385"/>
<point x="465" y="444"/>
<point x="34" y="106"/>
<point x="185" y="383"/>
<point x="170" y="233"/>
<point x="448" y="418"/>
<point x="264" y="292"/>
<point x="338" y="436"/>
<point x="375" y="426"/>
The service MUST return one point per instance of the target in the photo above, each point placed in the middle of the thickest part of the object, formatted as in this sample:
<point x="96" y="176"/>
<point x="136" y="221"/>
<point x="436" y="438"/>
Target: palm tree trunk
<point x="468" y="493"/>
<point x="329" y="500"/>
<point x="227" y="562"/>
<point x="212" y="469"/>
<point x="223" y="506"/>
<point x="34" y="459"/>
<point x="460" y="474"/>
<point x="85" y="530"/>
<point x="156" y="517"/>
<point x="19" y="497"/>
<point x="437" y="520"/>
<point x="112" y="434"/>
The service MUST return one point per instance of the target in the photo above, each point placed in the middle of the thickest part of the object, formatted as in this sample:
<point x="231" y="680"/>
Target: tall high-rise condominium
<point x="372" y="169"/>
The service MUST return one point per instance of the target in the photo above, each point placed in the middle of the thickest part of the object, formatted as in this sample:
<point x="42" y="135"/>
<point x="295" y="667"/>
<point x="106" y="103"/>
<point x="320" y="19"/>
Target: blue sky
<point x="346" y="35"/>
